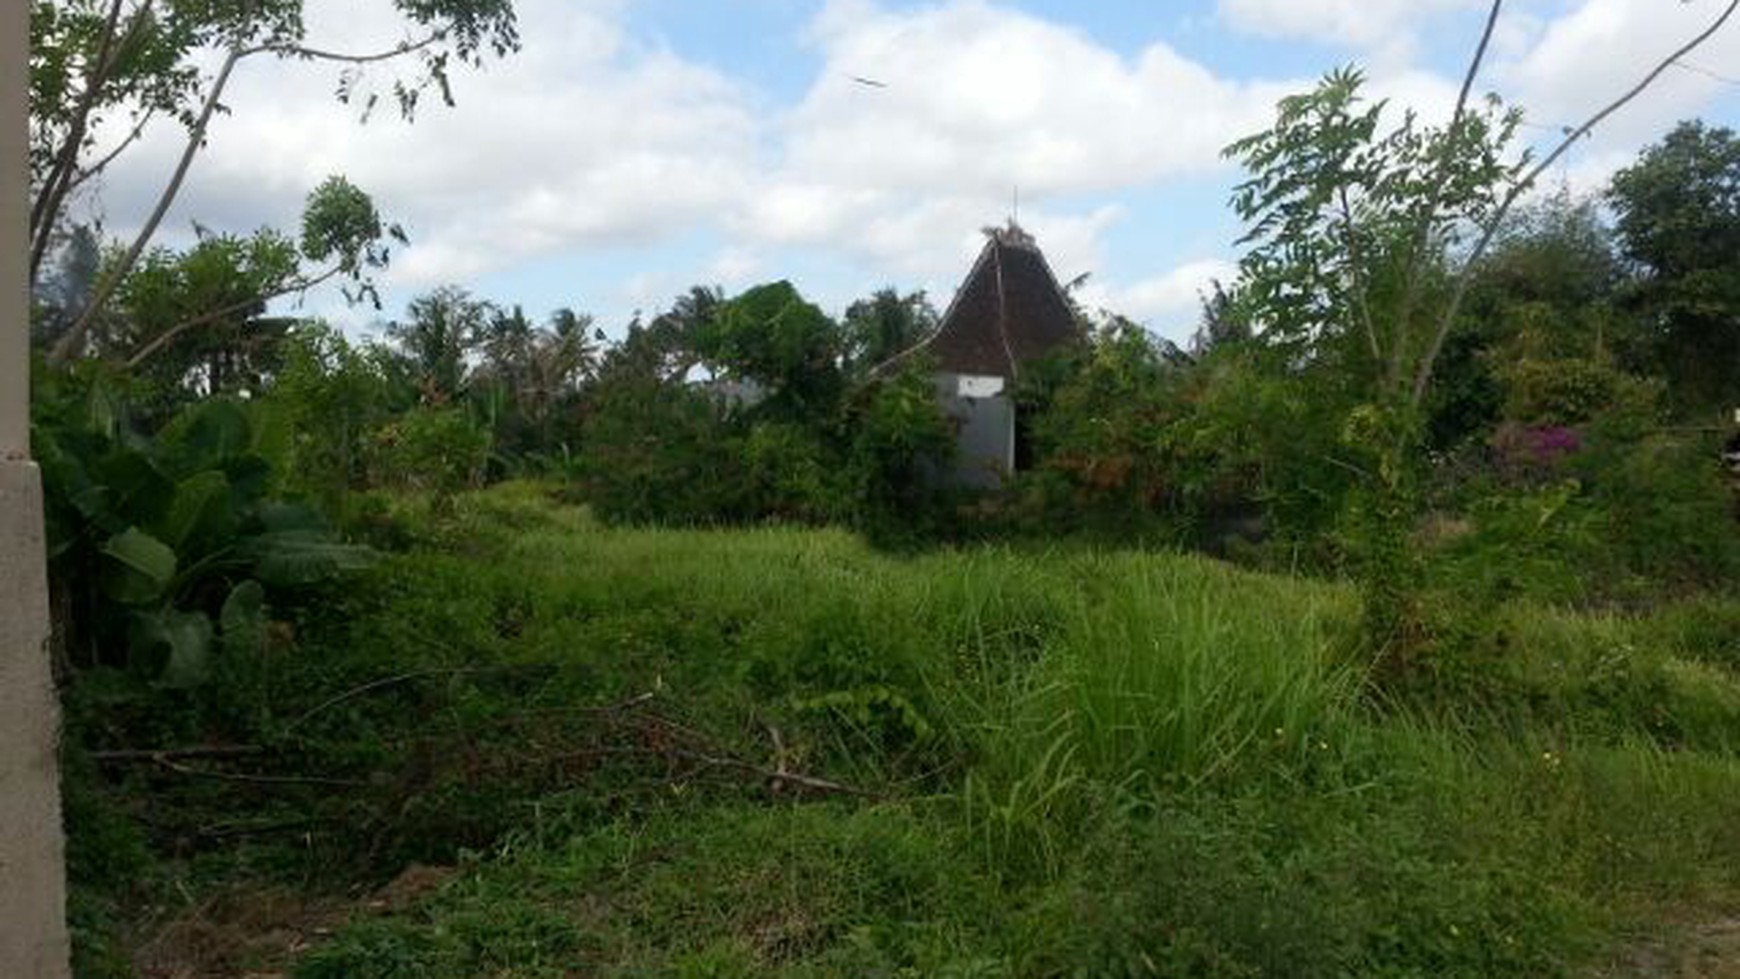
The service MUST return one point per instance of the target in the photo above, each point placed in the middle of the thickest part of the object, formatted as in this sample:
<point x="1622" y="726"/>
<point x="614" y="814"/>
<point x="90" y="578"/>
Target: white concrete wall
<point x="984" y="429"/>
<point x="33" y="942"/>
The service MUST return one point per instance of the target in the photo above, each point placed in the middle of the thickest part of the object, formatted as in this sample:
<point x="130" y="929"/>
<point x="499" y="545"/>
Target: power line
<point x="1688" y="66"/>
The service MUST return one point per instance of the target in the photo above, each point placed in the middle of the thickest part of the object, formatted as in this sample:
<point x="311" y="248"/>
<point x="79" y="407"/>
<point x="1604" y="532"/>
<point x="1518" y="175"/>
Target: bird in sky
<point x="870" y="82"/>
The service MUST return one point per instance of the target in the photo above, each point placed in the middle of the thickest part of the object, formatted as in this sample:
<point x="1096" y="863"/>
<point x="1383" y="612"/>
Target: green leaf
<point x="243" y="619"/>
<point x="137" y="567"/>
<point x="290" y="558"/>
<point x="200" y="511"/>
<point x="174" y="646"/>
<point x="133" y="486"/>
<point x="216" y="430"/>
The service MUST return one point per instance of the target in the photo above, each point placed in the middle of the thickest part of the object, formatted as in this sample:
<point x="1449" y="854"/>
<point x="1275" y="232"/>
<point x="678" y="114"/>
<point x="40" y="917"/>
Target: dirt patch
<point x="1706" y="951"/>
<point x="412" y="885"/>
<point x="258" y="933"/>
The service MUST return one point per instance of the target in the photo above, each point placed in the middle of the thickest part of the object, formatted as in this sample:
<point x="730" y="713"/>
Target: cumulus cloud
<point x="1387" y="29"/>
<point x="584" y="138"/>
<point x="1169" y="302"/>
<point x="981" y="99"/>
<point x="922" y="122"/>
<point x="1595" y="52"/>
<point x="594" y="138"/>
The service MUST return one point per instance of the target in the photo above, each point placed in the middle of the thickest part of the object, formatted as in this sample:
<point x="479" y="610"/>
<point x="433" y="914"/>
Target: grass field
<point x="782" y="753"/>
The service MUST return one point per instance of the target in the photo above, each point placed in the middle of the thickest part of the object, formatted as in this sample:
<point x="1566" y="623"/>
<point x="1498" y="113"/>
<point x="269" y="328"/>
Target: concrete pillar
<point x="33" y="941"/>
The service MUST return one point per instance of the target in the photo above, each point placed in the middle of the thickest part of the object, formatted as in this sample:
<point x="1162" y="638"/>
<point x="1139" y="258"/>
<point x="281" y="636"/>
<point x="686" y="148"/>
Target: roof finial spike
<point x="1015" y="211"/>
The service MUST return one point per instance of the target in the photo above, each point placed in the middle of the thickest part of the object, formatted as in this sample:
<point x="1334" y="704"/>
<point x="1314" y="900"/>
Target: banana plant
<point x="164" y="549"/>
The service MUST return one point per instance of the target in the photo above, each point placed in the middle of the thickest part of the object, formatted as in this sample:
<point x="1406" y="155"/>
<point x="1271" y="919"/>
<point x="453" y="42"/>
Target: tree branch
<point x="72" y="342"/>
<point x="163" y="761"/>
<point x="1423" y="376"/>
<point x="198" y="751"/>
<point x="55" y="185"/>
<point x="162" y="339"/>
<point x="316" y="54"/>
<point x="1423" y="230"/>
<point x="1360" y="299"/>
<point x="86" y="173"/>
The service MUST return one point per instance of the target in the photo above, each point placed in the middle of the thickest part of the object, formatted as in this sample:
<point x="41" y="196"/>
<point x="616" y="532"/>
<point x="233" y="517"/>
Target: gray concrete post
<point x="33" y="940"/>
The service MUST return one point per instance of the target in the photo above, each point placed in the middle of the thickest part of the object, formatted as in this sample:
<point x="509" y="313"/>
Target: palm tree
<point x="442" y="328"/>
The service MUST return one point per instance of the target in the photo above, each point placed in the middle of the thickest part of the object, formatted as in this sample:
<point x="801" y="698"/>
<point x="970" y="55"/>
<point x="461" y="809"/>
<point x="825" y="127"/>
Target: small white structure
<point x="1009" y="312"/>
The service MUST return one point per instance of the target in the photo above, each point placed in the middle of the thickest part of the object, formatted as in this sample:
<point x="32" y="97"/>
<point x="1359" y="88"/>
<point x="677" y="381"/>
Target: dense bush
<point x="163" y="546"/>
<point x="441" y="450"/>
<point x="334" y="396"/>
<point x="776" y="435"/>
<point x="657" y="452"/>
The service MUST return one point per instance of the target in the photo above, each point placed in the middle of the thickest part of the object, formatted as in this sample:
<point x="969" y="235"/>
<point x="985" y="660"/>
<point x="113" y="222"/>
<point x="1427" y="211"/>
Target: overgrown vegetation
<point x="992" y="761"/>
<point x="1388" y="630"/>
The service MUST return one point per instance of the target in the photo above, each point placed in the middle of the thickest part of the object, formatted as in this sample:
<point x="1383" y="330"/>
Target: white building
<point x="1009" y="312"/>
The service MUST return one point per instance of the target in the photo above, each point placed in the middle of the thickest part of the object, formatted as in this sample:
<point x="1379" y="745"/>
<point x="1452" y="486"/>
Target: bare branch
<point x="56" y="185"/>
<point x="73" y="340"/>
<point x="399" y="678"/>
<point x="316" y="54"/>
<point x="164" y="761"/>
<point x="1423" y="376"/>
<point x="199" y="751"/>
<point x="87" y="173"/>
<point x="162" y="339"/>
<point x="1423" y="230"/>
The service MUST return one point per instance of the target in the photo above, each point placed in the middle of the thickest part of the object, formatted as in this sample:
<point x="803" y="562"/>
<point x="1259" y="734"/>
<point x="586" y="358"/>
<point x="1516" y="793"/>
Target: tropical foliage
<point x="553" y="609"/>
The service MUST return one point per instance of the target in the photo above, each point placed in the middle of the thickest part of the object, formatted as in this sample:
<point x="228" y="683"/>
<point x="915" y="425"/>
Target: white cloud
<point x="1170" y="302"/>
<point x="734" y="267"/>
<point x="590" y="138"/>
<point x="1387" y="30"/>
<point x="973" y="102"/>
<point x="581" y="139"/>
<point x="1597" y="51"/>
<point x="982" y="99"/>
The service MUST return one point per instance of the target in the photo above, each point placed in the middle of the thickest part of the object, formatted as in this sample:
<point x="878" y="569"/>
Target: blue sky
<point x="636" y="147"/>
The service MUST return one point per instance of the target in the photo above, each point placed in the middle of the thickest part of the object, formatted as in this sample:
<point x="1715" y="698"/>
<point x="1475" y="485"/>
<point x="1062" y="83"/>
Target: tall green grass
<point x="1084" y="763"/>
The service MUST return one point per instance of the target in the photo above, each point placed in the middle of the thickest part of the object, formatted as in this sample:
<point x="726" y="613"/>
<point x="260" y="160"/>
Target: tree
<point x="1223" y="323"/>
<point x="528" y="372"/>
<point x="568" y="355"/>
<point x="1678" y="211"/>
<point x="1350" y="226"/>
<point x="200" y="303"/>
<point x="1548" y="285"/>
<point x="1364" y="237"/>
<point x="772" y="336"/>
<point x="97" y="60"/>
<point x="440" y="331"/>
<point x="196" y="317"/>
<point x="884" y="325"/>
<point x="505" y="342"/>
<point x="564" y="355"/>
<point x="60" y="293"/>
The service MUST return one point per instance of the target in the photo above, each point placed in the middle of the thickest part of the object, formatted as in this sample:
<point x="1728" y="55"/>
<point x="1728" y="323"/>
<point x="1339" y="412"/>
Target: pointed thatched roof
<point x="1009" y="311"/>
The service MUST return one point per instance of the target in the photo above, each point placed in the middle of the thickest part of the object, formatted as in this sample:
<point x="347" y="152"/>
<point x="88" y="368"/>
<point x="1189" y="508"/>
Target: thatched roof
<point x="1009" y="311"/>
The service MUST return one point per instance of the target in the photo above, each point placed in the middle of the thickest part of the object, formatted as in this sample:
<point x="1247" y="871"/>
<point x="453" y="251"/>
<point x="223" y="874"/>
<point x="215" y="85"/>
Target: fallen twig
<point x="223" y="831"/>
<point x="396" y="679"/>
<point x="772" y="777"/>
<point x="180" y="769"/>
<point x="196" y="751"/>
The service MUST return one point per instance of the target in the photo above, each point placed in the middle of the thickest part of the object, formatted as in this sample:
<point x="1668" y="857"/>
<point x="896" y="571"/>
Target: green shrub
<point x="658" y="452"/>
<point x="333" y="396"/>
<point x="438" y="450"/>
<point x="1667" y="510"/>
<point x="900" y="442"/>
<point x="162" y="549"/>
